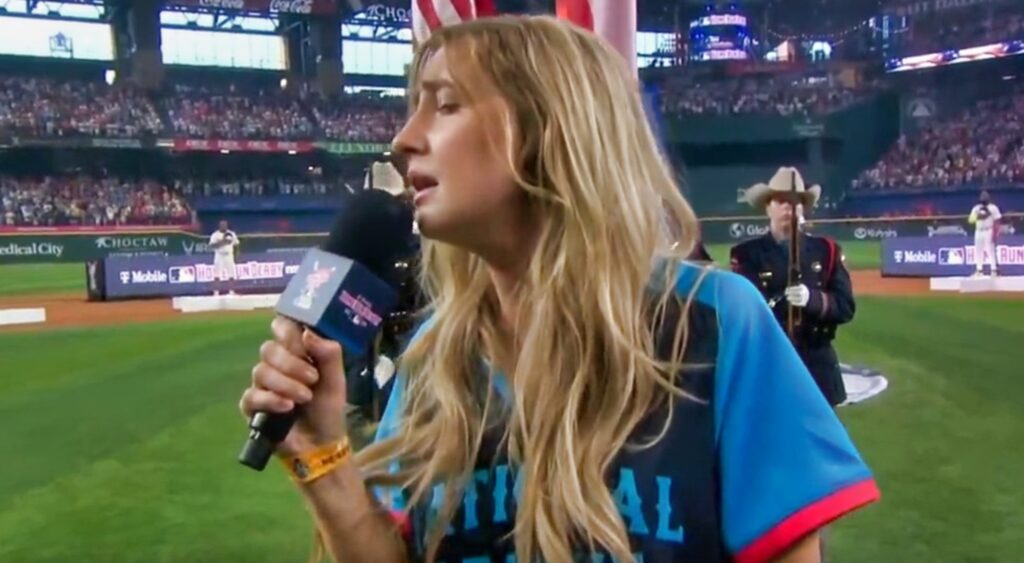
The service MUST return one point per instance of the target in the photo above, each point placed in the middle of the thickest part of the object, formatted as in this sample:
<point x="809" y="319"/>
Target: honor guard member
<point x="821" y="291"/>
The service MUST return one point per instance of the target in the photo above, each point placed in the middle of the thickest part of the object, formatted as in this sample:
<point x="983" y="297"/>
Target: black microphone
<point x="343" y="291"/>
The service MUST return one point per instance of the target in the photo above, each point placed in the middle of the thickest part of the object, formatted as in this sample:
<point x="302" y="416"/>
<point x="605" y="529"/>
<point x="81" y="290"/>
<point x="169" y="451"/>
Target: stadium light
<point x="284" y="83"/>
<point x="225" y="151"/>
<point x="110" y="76"/>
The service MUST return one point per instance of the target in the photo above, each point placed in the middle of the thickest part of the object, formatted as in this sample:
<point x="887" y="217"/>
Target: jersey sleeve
<point x="214" y="237"/>
<point x="787" y="465"/>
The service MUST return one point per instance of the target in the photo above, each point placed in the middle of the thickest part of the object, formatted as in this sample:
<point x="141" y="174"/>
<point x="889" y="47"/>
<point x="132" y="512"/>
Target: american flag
<point x="615" y="20"/>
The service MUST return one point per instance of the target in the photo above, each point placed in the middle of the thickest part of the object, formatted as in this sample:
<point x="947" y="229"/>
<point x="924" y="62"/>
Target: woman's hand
<point x="298" y="368"/>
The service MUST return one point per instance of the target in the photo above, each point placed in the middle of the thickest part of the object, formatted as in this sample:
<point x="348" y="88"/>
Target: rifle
<point x="794" y="315"/>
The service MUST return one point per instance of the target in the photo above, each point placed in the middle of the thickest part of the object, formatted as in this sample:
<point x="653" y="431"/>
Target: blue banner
<point x="172" y="276"/>
<point x="941" y="256"/>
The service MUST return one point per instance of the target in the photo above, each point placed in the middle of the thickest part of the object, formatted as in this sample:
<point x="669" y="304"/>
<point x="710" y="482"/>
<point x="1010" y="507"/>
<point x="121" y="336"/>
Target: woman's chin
<point x="427" y="223"/>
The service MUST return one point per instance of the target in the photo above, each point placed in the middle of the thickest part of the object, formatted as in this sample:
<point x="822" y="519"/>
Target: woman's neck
<point x="506" y="286"/>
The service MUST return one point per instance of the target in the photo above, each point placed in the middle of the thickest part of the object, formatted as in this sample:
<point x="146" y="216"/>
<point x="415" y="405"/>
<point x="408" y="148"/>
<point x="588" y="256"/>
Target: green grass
<point x="123" y="444"/>
<point x="120" y="442"/>
<point x="945" y="438"/>
<point x="39" y="279"/>
<point x="860" y="254"/>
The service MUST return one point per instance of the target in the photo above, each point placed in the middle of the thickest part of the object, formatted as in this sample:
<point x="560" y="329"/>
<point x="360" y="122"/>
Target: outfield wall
<point x="735" y="229"/>
<point x="47" y="246"/>
<point x="944" y="256"/>
<point x="51" y="246"/>
<point x="133" y="277"/>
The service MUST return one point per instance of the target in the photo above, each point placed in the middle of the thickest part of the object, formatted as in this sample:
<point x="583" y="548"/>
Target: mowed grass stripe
<point x="118" y="399"/>
<point x="178" y="496"/>
<point x="944" y="439"/>
<point x="972" y="342"/>
<point x="69" y="357"/>
<point x="33" y="279"/>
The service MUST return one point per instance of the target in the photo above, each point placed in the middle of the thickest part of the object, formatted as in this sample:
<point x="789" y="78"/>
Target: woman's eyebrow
<point x="436" y="84"/>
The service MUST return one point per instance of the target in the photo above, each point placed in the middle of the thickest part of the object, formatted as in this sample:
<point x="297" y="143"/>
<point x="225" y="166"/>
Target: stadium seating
<point x="746" y="96"/>
<point x="82" y="200"/>
<point x="982" y="145"/>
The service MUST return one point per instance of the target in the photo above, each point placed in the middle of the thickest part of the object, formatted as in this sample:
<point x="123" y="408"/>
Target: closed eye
<point x="448" y="108"/>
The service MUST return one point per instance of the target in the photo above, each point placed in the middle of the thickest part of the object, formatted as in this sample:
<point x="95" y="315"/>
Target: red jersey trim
<point x="401" y="520"/>
<point x="808" y="519"/>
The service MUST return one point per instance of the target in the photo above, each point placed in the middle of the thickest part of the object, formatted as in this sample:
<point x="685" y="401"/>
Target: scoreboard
<point x="719" y="37"/>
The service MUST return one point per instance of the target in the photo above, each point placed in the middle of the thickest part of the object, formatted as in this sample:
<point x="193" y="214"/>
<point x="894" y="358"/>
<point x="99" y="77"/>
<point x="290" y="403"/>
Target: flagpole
<point x="614" y="20"/>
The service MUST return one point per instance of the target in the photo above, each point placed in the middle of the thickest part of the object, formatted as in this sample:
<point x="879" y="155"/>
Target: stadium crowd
<point x="754" y="96"/>
<point x="34" y="107"/>
<point x="50" y="108"/>
<point x="83" y="200"/>
<point x="202" y="112"/>
<point x="359" y="118"/>
<point x="984" y="144"/>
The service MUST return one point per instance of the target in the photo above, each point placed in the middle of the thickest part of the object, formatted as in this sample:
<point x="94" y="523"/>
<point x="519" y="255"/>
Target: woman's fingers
<point x="288" y="333"/>
<point x="260" y="400"/>
<point x="277" y="356"/>
<point x="265" y="376"/>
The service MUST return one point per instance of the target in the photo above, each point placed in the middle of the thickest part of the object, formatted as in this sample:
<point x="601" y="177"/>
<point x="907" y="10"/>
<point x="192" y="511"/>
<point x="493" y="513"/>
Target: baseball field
<point x="120" y="429"/>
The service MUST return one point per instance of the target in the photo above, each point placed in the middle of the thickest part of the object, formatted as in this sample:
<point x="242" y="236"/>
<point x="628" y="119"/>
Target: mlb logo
<point x="952" y="257"/>
<point x="182" y="274"/>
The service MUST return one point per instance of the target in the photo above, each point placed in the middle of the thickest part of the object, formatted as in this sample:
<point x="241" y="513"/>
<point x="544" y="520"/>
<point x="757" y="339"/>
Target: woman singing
<point x="578" y="391"/>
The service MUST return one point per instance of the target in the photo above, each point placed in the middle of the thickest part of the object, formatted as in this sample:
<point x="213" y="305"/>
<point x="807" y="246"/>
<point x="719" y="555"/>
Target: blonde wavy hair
<point x="583" y="370"/>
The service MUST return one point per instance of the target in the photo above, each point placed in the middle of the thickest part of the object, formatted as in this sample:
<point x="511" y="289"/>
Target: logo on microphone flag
<point x="314" y="281"/>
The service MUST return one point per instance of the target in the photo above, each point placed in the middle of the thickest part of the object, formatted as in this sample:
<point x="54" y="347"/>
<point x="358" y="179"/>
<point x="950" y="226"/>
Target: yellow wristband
<point x="314" y="464"/>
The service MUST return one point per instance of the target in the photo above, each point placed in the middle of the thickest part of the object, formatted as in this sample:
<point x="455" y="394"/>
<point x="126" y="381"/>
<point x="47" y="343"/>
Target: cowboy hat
<point x="780" y="184"/>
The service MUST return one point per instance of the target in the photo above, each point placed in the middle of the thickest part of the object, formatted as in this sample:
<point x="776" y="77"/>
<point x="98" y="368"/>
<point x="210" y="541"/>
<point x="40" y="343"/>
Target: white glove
<point x="798" y="295"/>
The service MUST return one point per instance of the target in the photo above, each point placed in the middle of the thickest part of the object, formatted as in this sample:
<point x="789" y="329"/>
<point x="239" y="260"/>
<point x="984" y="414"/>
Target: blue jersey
<point x="742" y="475"/>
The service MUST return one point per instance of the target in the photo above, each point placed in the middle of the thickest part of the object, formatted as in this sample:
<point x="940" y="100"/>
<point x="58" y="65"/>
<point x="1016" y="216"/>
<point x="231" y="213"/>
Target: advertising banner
<point x="347" y="147"/>
<point x="172" y="276"/>
<point x="944" y="256"/>
<point x="146" y="142"/>
<point x="320" y="7"/>
<point x="215" y="145"/>
<point x="84" y="247"/>
<point x="743" y="229"/>
<point x="740" y="230"/>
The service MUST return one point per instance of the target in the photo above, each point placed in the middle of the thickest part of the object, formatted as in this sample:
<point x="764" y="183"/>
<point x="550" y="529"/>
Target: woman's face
<point x="464" y="189"/>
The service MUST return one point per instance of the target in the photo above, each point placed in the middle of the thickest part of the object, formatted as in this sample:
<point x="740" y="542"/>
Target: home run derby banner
<point x="947" y="256"/>
<point x="123" y="277"/>
<point x="615" y="20"/>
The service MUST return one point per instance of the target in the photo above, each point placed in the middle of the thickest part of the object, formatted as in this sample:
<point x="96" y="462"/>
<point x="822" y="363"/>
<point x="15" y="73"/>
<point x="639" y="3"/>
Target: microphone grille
<point x="373" y="228"/>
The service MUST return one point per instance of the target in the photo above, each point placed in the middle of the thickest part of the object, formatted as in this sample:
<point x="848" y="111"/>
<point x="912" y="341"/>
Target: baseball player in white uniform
<point x="985" y="218"/>
<point x="223" y="242"/>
